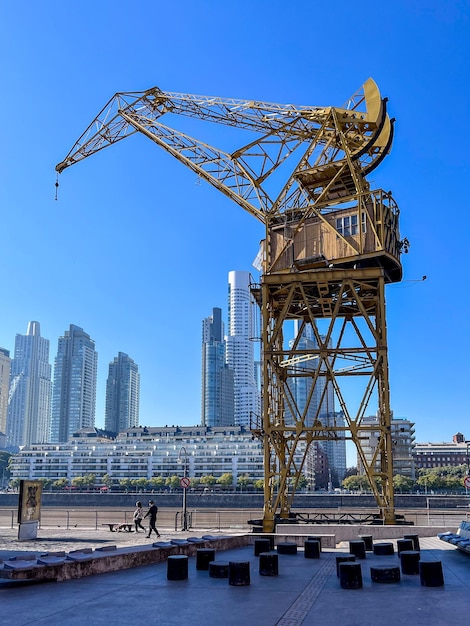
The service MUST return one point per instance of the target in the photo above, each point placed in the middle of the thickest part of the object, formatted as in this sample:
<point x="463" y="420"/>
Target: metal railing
<point x="56" y="517"/>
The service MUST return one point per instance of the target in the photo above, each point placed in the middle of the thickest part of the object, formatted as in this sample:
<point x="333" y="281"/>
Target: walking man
<point x="152" y="515"/>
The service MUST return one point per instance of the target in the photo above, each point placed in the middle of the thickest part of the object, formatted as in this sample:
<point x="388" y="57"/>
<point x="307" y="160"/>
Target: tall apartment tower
<point x="240" y="348"/>
<point x="74" y="395"/>
<point x="30" y="389"/>
<point x="4" y="386"/>
<point x="320" y="401"/>
<point x="218" y="403"/>
<point x="122" y="394"/>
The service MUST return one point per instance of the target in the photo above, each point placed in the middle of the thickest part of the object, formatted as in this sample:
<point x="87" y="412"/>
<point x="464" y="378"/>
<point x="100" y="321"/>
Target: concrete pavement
<point x="306" y="591"/>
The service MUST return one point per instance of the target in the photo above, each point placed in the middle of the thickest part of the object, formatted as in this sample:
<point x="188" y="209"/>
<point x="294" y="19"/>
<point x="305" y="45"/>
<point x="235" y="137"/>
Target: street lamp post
<point x="185" y="473"/>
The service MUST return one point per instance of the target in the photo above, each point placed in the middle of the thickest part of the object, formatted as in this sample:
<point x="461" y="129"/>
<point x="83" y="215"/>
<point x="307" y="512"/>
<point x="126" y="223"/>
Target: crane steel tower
<point x="331" y="245"/>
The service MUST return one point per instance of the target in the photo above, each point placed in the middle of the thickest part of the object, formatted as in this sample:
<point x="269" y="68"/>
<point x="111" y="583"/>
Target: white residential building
<point x="30" y="389"/>
<point x="241" y="348"/>
<point x="5" y="362"/>
<point x="146" y="452"/>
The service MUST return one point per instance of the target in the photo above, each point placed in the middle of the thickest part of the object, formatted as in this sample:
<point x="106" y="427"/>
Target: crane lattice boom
<point x="331" y="245"/>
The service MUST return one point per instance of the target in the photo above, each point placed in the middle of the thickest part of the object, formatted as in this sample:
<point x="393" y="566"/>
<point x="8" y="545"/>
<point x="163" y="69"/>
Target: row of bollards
<point x="238" y="572"/>
<point x="348" y="569"/>
<point x="408" y="548"/>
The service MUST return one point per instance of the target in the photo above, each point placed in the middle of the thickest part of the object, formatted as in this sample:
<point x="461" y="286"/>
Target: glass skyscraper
<point x="240" y="348"/>
<point x="4" y="387"/>
<point x="74" y="394"/>
<point x="317" y="402"/>
<point x="30" y="389"/>
<point x="217" y="377"/>
<point x="122" y="394"/>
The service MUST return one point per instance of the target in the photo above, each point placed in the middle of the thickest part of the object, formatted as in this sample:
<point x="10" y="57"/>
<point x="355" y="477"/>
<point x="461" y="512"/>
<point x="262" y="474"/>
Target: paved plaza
<point x="306" y="591"/>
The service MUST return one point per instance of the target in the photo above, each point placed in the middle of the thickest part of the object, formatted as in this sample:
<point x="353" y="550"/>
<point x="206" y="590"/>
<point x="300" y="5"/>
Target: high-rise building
<point x="122" y="394"/>
<point x="4" y="386"/>
<point x="30" y="389"/>
<point x="217" y="377"/>
<point x="317" y="400"/>
<point x="240" y="348"/>
<point x="74" y="395"/>
<point x="403" y="444"/>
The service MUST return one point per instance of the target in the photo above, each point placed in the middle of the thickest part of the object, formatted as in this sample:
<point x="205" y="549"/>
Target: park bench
<point x="118" y="527"/>
<point x="460" y="539"/>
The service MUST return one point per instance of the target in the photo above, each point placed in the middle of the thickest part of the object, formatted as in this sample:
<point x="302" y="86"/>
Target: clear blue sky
<point x="137" y="253"/>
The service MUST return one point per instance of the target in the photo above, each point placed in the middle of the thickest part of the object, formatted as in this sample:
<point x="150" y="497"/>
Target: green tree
<point x="107" y="481"/>
<point x="173" y="482"/>
<point x="259" y="484"/>
<point x="195" y="482"/>
<point x="302" y="483"/>
<point x="157" y="482"/>
<point x="243" y="481"/>
<point x="356" y="483"/>
<point x="4" y="467"/>
<point x="79" y="482"/>
<point x="140" y="484"/>
<point x="208" y="480"/>
<point x="226" y="480"/>
<point x="60" y="484"/>
<point x="14" y="483"/>
<point x="402" y="484"/>
<point x="126" y="484"/>
<point x="89" y="480"/>
<point x="46" y="483"/>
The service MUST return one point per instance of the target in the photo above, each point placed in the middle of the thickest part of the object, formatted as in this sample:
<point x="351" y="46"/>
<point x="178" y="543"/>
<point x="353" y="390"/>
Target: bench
<point x="116" y="528"/>
<point x="460" y="539"/>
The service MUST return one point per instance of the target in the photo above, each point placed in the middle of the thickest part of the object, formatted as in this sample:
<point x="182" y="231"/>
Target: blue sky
<point x="137" y="253"/>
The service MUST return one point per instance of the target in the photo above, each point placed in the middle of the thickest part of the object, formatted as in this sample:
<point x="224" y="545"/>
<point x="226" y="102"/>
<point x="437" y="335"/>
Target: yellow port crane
<point x="331" y="245"/>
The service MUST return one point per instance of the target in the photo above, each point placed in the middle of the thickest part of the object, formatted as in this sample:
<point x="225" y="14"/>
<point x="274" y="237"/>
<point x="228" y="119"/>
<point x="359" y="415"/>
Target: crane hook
<point x="56" y="186"/>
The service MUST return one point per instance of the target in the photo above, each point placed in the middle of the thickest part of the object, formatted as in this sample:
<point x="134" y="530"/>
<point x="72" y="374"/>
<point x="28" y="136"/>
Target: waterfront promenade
<point x="306" y="591"/>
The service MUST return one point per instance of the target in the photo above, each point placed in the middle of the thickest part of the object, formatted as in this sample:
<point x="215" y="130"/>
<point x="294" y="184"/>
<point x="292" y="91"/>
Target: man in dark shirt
<point x="152" y="515"/>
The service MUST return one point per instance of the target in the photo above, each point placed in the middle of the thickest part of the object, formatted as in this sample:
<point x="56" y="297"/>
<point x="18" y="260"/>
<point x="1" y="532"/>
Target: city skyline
<point x="136" y="249"/>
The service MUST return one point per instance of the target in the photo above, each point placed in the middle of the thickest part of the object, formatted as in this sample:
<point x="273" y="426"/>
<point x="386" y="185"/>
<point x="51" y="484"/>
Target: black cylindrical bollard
<point x="404" y="544"/>
<point x="314" y="538"/>
<point x="286" y="547"/>
<point x="350" y="575"/>
<point x="414" y="539"/>
<point x="268" y="564"/>
<point x="410" y="561"/>
<point x="239" y="573"/>
<point x="385" y="574"/>
<point x="262" y="545"/>
<point x="369" y="544"/>
<point x="430" y="573"/>
<point x="358" y="548"/>
<point x="203" y="557"/>
<point x="177" y="567"/>
<point x="384" y="548"/>
<point x="312" y="549"/>
<point x="218" y="569"/>
<point x="343" y="558"/>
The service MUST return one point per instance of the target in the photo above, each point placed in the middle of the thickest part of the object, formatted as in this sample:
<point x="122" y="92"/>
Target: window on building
<point x="348" y="225"/>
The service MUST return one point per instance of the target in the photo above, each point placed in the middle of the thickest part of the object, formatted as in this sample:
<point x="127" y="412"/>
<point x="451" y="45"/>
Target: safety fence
<point x="172" y="518"/>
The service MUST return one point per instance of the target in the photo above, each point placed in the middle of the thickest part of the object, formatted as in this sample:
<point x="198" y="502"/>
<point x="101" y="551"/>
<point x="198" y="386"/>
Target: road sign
<point x="466" y="482"/>
<point x="185" y="482"/>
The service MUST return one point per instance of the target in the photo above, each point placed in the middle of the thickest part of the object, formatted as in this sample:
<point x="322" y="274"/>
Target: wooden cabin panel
<point x="320" y="242"/>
